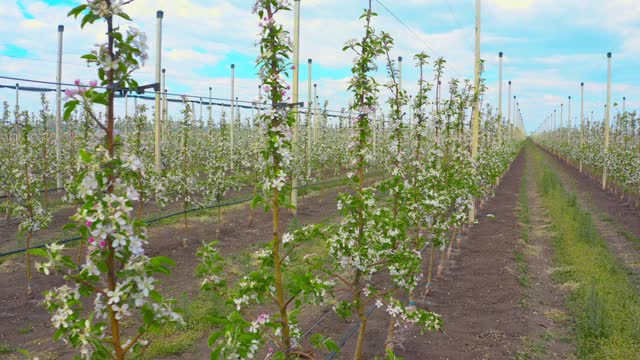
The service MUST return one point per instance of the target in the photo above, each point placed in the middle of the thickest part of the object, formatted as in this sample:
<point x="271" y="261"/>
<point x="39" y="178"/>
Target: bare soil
<point x="25" y="324"/>
<point x="487" y="313"/>
<point x="477" y="296"/>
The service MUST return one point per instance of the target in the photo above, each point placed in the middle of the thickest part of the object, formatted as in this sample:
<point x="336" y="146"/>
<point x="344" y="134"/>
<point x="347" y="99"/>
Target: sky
<point x="549" y="47"/>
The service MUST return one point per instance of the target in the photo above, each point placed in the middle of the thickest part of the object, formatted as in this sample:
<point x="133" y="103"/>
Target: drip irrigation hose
<point x="353" y="330"/>
<point x="151" y="221"/>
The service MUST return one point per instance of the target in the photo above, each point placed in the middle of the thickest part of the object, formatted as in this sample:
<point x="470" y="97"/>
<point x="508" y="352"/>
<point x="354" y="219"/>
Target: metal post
<point x="515" y="124"/>
<point x="17" y="112"/>
<point x="500" y="101"/>
<point x="309" y="102"/>
<point x="158" y="138"/>
<point x="400" y="79"/>
<point x="607" y="116"/>
<point x="59" y="107"/>
<point x="126" y="112"/>
<point x="569" y="119"/>
<point x="163" y="86"/>
<point x="581" y="120"/>
<point x="476" y="108"/>
<point x="315" y="113"/>
<point x="238" y="115"/>
<point x="259" y="100"/>
<point x="509" y="108"/>
<point x="296" y="79"/>
<point x="232" y="118"/>
<point x="210" y="122"/>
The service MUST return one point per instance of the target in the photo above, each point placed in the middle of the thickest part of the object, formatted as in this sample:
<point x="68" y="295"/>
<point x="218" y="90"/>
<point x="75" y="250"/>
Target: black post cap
<point x="609" y="55"/>
<point x="500" y="54"/>
<point x="233" y="66"/>
<point x="164" y="71"/>
<point x="309" y="61"/>
<point x="60" y="28"/>
<point x="581" y="84"/>
<point x="509" y="82"/>
<point x="400" y="58"/>
<point x="160" y="14"/>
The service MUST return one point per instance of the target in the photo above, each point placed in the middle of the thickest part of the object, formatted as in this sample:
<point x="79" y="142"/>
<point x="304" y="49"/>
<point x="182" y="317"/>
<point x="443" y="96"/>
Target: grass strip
<point x="602" y="298"/>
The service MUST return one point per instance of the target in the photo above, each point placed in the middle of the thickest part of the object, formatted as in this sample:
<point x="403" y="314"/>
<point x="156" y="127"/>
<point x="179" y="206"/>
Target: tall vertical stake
<point x="309" y="102"/>
<point x="158" y="129"/>
<point x="210" y="122"/>
<point x="59" y="107"/>
<point x="569" y="119"/>
<point x="500" y="101"/>
<point x="126" y="112"/>
<point x="296" y="112"/>
<point x="232" y="118"/>
<point x="163" y="96"/>
<point x="607" y="117"/>
<point x="315" y="113"/>
<point x="17" y="112"/>
<point x="259" y="100"/>
<point x="476" y="108"/>
<point x="509" y="108"/>
<point x="581" y="120"/>
<point x="400" y="78"/>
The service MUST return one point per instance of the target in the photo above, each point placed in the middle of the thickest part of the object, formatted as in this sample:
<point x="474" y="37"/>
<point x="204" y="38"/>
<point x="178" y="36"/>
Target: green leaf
<point x="213" y="337"/>
<point x="69" y="226"/>
<point x="99" y="98"/>
<point x="77" y="10"/>
<point x="331" y="345"/>
<point x="215" y="354"/>
<point x="38" y="252"/>
<point x="85" y="156"/>
<point x="69" y="107"/>
<point x="124" y="16"/>
<point x="89" y="57"/>
<point x="161" y="260"/>
<point x="155" y="296"/>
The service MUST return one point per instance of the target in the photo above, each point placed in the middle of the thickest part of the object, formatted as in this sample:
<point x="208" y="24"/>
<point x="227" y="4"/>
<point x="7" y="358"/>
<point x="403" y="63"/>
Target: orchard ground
<point x="499" y="295"/>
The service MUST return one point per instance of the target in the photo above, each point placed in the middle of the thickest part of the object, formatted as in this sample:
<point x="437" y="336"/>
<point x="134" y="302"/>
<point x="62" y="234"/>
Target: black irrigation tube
<point x="41" y="191"/>
<point x="209" y="207"/>
<point x="353" y="330"/>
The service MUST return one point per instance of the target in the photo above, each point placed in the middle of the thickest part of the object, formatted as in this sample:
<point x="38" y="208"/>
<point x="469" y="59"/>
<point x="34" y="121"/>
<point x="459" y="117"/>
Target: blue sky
<point x="549" y="46"/>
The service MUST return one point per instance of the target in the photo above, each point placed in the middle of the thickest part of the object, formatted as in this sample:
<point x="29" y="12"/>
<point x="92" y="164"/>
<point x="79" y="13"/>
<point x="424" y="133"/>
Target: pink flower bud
<point x="293" y="67"/>
<point x="93" y="83"/>
<point x="77" y="82"/>
<point x="69" y="93"/>
<point x="91" y="240"/>
<point x="102" y="244"/>
<point x="89" y="223"/>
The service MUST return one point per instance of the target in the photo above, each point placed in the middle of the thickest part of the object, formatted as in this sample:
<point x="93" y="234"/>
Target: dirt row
<point x="486" y="310"/>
